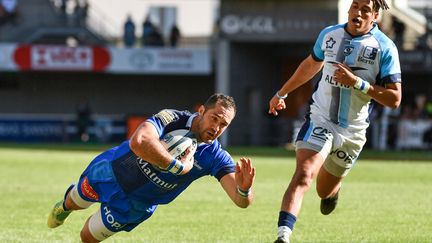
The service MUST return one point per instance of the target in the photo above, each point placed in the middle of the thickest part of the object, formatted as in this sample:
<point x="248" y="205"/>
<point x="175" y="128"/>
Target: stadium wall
<point x="60" y="92"/>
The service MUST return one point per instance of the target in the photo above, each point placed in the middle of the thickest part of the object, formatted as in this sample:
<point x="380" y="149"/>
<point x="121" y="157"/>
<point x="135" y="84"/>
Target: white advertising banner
<point x="7" y="62"/>
<point x="160" y="61"/>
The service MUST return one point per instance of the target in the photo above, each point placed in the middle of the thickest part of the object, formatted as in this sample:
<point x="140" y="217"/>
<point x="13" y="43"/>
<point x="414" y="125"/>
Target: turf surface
<point x="381" y="201"/>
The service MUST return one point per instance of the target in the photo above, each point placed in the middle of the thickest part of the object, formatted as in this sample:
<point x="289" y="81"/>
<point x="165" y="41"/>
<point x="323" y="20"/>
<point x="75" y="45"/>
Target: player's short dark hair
<point x="224" y="100"/>
<point x="378" y="4"/>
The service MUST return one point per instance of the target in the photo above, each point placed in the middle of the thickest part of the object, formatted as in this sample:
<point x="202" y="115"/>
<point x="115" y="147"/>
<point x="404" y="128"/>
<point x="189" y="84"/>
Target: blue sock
<point x="286" y="219"/>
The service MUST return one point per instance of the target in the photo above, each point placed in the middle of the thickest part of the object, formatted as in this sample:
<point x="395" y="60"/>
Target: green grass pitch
<point x="381" y="201"/>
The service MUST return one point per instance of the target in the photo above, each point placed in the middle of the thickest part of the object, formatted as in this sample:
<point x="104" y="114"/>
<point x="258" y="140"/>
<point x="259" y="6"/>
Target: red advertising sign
<point x="49" y="57"/>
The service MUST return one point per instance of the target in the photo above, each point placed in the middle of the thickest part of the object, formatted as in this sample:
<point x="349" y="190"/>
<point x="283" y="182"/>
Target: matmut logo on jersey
<point x="369" y="55"/>
<point x="151" y="173"/>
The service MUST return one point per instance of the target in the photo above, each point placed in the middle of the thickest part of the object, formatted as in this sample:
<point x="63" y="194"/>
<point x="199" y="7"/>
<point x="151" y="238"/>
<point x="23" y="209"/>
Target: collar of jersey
<point x="189" y="121"/>
<point x="373" y="31"/>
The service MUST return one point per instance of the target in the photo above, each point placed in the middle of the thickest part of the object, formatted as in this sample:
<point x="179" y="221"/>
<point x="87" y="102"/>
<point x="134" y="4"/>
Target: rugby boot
<point x="282" y="240"/>
<point x="283" y="235"/>
<point x="329" y="204"/>
<point x="58" y="215"/>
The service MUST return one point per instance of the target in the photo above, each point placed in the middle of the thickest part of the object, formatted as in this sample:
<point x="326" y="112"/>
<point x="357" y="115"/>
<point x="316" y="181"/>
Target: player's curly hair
<point x="378" y="4"/>
<point x="218" y="98"/>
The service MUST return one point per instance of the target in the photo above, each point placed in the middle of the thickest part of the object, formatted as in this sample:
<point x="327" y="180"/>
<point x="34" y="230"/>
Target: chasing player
<point x="128" y="184"/>
<point x="359" y="65"/>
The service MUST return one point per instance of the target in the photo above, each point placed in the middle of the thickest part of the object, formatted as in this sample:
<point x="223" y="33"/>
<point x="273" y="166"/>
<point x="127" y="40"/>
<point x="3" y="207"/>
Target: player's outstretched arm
<point x="305" y="72"/>
<point x="238" y="185"/>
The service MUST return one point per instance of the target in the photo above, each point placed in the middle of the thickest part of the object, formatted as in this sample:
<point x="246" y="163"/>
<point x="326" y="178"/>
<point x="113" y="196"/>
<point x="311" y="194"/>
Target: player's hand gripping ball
<point x="177" y="143"/>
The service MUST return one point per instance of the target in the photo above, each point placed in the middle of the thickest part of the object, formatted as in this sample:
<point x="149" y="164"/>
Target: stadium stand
<point x="53" y="52"/>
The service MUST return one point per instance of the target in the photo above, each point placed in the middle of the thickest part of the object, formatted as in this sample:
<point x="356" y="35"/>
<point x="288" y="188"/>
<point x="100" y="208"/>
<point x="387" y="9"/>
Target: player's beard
<point x="199" y="133"/>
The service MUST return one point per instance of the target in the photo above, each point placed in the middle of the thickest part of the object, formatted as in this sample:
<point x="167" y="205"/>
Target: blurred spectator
<point x="429" y="109"/>
<point x="420" y="107"/>
<point x="83" y="119"/>
<point x="427" y="138"/>
<point x="81" y="12"/>
<point x="9" y="6"/>
<point x="422" y="42"/>
<point x="2" y="12"/>
<point x="399" y="31"/>
<point x="407" y="112"/>
<point x="63" y="4"/>
<point x="151" y="35"/>
<point x="148" y="29"/>
<point x="8" y="10"/>
<point x="155" y="39"/>
<point x="174" y="36"/>
<point x="129" y="32"/>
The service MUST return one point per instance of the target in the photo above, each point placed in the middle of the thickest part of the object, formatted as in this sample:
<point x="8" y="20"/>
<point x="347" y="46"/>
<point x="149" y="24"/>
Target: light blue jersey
<point x="372" y="56"/>
<point x="129" y="189"/>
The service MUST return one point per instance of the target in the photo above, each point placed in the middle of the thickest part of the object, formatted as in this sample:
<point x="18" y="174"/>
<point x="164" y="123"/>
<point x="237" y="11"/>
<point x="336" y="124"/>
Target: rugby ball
<point x="176" y="142"/>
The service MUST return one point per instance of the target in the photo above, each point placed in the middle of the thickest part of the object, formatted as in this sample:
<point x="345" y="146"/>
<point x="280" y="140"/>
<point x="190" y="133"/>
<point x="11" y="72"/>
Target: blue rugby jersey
<point x="372" y="56"/>
<point x="146" y="183"/>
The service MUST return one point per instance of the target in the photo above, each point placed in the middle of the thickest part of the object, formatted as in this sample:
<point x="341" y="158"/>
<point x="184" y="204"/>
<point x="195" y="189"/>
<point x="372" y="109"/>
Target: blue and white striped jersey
<point x="373" y="57"/>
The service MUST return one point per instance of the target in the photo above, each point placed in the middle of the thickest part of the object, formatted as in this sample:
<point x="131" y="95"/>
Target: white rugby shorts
<point x="338" y="147"/>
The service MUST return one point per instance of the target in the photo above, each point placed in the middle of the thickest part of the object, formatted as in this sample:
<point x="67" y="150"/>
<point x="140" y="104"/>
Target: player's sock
<point x="287" y="219"/>
<point x="285" y="226"/>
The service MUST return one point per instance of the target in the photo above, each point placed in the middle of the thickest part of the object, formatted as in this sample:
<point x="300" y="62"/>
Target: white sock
<point x="284" y="232"/>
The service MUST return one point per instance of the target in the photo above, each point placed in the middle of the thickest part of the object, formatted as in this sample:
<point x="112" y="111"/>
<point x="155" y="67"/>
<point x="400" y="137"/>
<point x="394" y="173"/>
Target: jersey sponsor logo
<point x="370" y="52"/>
<point x="329" y="79"/>
<point x="343" y="155"/>
<point x="320" y="133"/>
<point x="88" y="191"/>
<point x="111" y="220"/>
<point x="329" y="54"/>
<point x="368" y="56"/>
<point x="330" y="43"/>
<point x="166" y="116"/>
<point x="151" y="173"/>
